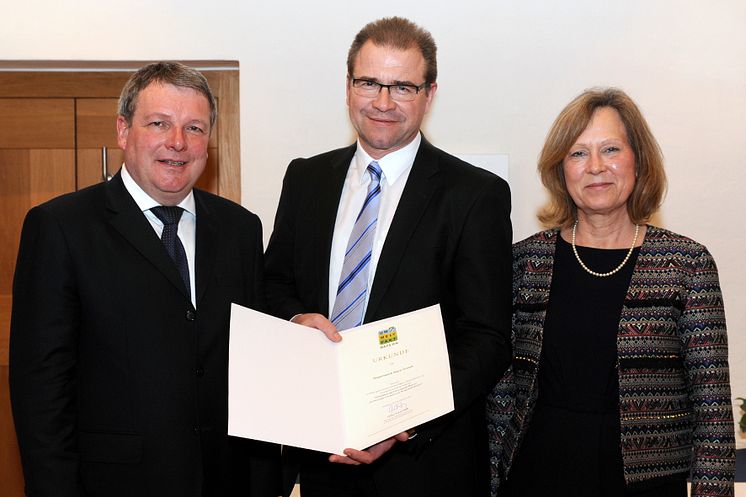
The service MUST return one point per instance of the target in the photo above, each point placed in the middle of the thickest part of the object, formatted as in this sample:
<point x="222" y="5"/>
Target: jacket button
<point x="200" y="372"/>
<point x="190" y="315"/>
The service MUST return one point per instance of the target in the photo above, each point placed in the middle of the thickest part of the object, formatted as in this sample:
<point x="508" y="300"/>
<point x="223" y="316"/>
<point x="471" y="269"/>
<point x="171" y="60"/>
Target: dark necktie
<point x="170" y="216"/>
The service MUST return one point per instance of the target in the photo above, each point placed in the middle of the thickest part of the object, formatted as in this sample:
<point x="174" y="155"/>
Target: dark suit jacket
<point x="118" y="385"/>
<point x="672" y="365"/>
<point x="449" y="243"/>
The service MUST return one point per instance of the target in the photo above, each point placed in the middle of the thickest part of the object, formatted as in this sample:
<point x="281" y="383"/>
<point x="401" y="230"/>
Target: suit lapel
<point x="329" y="192"/>
<point x="206" y="243"/>
<point x="127" y="218"/>
<point x="421" y="185"/>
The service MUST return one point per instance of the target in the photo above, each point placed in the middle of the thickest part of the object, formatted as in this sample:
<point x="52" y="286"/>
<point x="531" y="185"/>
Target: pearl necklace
<point x="613" y="271"/>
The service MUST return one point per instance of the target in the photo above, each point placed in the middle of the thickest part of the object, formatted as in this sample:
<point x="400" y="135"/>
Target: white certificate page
<point x="289" y="384"/>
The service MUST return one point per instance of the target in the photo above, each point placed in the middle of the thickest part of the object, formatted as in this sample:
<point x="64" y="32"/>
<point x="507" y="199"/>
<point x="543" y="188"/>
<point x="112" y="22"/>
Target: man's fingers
<point x="313" y="320"/>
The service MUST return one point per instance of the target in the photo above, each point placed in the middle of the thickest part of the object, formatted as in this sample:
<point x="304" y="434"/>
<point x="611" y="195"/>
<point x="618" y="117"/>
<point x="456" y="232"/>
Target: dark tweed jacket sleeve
<point x="674" y="391"/>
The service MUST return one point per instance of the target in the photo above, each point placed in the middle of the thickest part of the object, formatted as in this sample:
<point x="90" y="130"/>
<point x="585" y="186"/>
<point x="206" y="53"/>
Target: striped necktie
<point x="170" y="216"/>
<point x="353" y="281"/>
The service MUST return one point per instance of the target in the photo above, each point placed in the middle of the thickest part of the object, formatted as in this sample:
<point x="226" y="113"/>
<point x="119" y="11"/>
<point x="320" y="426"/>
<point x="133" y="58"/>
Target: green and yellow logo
<point x="387" y="337"/>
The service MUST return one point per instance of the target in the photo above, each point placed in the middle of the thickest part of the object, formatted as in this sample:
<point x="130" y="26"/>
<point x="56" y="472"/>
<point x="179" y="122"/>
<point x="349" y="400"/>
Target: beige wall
<point x="506" y="69"/>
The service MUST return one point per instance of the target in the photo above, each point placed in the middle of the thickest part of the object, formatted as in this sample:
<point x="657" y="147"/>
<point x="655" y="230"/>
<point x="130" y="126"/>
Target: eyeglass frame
<point x="417" y="88"/>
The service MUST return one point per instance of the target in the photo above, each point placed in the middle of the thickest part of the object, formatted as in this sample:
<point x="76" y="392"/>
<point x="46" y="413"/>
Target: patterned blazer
<point x="674" y="392"/>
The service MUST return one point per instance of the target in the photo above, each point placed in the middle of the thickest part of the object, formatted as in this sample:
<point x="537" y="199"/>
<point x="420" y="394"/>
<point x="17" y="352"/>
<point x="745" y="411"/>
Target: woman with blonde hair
<point x="619" y="384"/>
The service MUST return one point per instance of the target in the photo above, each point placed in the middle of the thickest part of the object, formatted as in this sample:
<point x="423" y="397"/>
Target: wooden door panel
<point x="210" y="177"/>
<point x="37" y="123"/>
<point x="96" y="122"/>
<point x="90" y="162"/>
<point x="27" y="178"/>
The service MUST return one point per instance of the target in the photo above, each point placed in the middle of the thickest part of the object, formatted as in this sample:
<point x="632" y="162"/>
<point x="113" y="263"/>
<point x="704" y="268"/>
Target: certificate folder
<point x="289" y="384"/>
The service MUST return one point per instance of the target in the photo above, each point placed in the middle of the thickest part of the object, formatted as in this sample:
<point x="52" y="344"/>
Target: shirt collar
<point x="393" y="165"/>
<point x="145" y="202"/>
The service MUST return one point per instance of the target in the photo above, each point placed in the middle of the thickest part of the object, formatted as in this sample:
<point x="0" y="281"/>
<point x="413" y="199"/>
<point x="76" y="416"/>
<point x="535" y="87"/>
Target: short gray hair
<point x="173" y="73"/>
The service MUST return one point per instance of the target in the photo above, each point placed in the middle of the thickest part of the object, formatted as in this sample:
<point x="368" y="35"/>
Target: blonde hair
<point x="650" y="185"/>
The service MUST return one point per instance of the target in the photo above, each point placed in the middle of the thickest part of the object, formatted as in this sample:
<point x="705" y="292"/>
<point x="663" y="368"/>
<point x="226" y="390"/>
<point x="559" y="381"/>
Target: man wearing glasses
<point x="389" y="225"/>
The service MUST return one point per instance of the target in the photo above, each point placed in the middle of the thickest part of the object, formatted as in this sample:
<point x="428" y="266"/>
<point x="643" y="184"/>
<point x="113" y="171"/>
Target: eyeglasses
<point x="401" y="92"/>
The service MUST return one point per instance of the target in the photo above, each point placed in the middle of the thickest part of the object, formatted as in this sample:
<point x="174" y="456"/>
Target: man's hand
<point x="369" y="455"/>
<point x="319" y="322"/>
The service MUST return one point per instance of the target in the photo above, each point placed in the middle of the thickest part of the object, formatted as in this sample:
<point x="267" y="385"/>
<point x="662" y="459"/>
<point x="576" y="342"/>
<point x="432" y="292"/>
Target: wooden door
<point x="95" y="127"/>
<point x="37" y="163"/>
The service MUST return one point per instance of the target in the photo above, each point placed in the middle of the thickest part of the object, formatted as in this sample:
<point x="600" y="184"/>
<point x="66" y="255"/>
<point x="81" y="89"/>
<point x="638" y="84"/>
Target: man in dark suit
<point x="121" y="303"/>
<point x="390" y="225"/>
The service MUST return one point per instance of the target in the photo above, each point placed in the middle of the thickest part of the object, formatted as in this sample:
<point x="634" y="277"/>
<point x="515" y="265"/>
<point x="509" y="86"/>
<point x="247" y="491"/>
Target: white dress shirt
<point x="396" y="167"/>
<point x="187" y="224"/>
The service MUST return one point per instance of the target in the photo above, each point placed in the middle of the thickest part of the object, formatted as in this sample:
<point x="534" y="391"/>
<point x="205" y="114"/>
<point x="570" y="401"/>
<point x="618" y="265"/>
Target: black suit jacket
<point x="449" y="243"/>
<point x="118" y="384"/>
